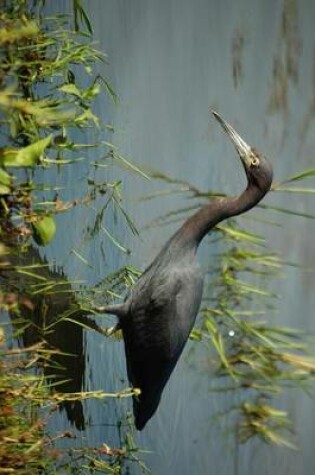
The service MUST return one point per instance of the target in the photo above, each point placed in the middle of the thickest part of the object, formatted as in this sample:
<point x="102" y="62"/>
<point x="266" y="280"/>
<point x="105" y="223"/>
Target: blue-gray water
<point x="169" y="61"/>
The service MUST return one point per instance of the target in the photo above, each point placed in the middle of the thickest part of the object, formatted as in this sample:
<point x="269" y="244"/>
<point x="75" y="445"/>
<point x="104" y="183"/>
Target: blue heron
<point x="158" y="315"/>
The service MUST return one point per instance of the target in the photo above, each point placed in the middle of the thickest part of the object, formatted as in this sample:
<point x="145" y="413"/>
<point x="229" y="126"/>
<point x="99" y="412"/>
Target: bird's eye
<point x="254" y="161"/>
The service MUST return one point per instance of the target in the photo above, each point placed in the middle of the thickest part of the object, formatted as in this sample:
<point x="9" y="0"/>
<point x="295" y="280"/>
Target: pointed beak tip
<point x="241" y="146"/>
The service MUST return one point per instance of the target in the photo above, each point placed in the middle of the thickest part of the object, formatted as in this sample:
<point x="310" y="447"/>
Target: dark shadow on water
<point x="45" y="297"/>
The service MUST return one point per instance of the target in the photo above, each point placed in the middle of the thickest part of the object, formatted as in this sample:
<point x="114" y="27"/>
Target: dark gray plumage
<point x="160" y="311"/>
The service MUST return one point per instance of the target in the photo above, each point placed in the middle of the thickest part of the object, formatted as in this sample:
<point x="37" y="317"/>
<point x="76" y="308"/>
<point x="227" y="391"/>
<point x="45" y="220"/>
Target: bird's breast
<point x="163" y="311"/>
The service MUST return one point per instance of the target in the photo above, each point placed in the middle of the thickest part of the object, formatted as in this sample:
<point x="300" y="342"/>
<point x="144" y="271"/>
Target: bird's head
<point x="257" y="168"/>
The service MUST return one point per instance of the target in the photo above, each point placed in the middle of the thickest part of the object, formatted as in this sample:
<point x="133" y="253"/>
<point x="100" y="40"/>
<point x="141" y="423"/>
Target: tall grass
<point x="48" y="90"/>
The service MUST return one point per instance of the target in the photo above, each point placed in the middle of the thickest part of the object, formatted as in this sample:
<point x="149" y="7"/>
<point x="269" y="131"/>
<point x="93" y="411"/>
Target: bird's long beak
<point x="243" y="149"/>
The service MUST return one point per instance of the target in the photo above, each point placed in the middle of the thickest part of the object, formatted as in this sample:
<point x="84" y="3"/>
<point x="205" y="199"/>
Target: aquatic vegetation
<point x="47" y="92"/>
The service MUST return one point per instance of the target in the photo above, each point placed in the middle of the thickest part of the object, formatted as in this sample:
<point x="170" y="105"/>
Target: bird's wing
<point x="161" y="316"/>
<point x="155" y="333"/>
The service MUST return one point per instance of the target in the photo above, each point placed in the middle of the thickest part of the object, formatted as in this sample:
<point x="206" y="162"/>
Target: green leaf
<point x="71" y="89"/>
<point x="240" y="234"/>
<point x="91" y="92"/>
<point x="44" y="230"/>
<point x="294" y="189"/>
<point x="114" y="241"/>
<point x="126" y="163"/>
<point x="80" y="16"/>
<point x="27" y="156"/>
<point x="110" y="91"/>
<point x="5" y="178"/>
<point x="5" y="182"/>
<point x="300" y="176"/>
<point x="87" y="116"/>
<point x="4" y="190"/>
<point x="288" y="211"/>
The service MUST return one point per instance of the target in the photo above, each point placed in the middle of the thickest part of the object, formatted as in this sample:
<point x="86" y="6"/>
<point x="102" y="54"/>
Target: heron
<point x="160" y="310"/>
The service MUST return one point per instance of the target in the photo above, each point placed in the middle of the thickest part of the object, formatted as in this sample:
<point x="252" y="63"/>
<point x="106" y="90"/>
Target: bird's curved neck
<point x="198" y="225"/>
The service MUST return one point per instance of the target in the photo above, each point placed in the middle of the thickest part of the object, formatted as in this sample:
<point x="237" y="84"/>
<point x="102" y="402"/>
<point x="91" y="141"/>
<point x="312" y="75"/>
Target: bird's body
<point x="160" y="311"/>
